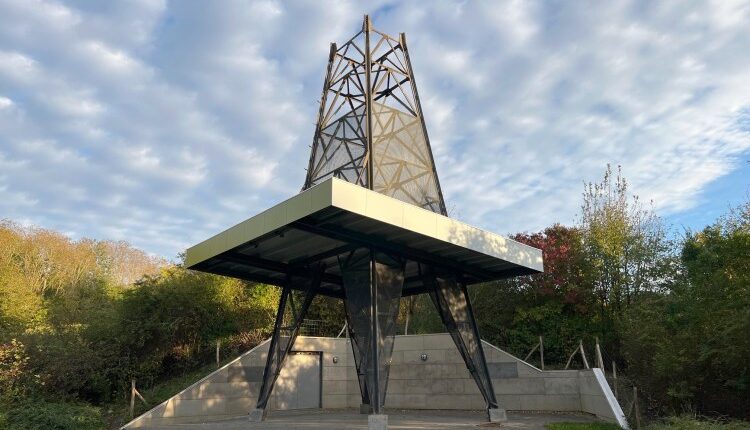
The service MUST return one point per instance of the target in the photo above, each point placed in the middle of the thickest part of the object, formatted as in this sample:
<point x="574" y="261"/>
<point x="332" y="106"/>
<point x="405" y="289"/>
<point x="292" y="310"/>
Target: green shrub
<point x="16" y="381"/>
<point x="692" y="423"/>
<point x="52" y="416"/>
<point x="582" y="426"/>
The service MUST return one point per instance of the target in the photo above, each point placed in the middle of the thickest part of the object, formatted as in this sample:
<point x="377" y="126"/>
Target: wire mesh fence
<point x="310" y="327"/>
<point x="638" y="406"/>
<point x="635" y="401"/>
<point x="629" y="398"/>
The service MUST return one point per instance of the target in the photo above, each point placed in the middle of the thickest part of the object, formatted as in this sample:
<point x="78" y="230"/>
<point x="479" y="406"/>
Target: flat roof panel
<point x="335" y="212"/>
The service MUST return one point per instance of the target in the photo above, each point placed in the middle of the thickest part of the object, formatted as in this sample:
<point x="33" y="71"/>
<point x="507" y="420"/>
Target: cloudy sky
<point x="161" y="123"/>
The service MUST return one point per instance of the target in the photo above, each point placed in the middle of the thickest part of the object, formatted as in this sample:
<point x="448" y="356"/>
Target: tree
<point x="625" y="243"/>
<point x="690" y="346"/>
<point x="556" y="304"/>
<point x="88" y="315"/>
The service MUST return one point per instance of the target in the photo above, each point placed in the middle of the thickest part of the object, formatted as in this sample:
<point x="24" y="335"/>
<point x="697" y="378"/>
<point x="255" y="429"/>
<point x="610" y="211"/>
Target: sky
<point x="163" y="123"/>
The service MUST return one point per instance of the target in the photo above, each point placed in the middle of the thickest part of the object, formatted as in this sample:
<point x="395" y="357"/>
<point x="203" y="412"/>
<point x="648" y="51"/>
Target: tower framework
<point x="369" y="227"/>
<point x="370" y="129"/>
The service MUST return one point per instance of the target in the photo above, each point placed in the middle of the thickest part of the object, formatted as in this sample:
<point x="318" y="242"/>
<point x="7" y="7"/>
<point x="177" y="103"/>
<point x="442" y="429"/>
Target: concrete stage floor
<point x="397" y="420"/>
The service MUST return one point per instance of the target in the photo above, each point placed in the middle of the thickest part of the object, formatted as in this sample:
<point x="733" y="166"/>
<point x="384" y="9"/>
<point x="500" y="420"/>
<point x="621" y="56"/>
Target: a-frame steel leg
<point x="452" y="302"/>
<point x="357" y="349"/>
<point x="372" y="283"/>
<point x="283" y="337"/>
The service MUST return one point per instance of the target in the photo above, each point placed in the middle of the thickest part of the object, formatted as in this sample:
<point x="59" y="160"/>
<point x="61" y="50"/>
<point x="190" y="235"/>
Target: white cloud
<point x="5" y="103"/>
<point x="163" y="123"/>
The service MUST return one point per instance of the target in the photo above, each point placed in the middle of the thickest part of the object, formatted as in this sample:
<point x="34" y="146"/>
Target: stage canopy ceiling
<point x="335" y="217"/>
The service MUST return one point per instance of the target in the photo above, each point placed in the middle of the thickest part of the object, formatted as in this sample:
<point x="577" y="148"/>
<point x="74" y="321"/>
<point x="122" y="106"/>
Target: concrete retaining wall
<point x="598" y="399"/>
<point x="440" y="382"/>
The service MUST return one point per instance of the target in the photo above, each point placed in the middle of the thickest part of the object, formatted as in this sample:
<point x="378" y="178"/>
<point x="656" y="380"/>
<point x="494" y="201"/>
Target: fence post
<point x="599" y="359"/>
<point x="571" y="357"/>
<point x="614" y="377"/>
<point x="541" y="351"/>
<point x="132" y="398"/>
<point x="409" y="311"/>
<point x="343" y="329"/>
<point x="583" y="354"/>
<point x="218" y="357"/>
<point x="637" y="409"/>
<point x="531" y="352"/>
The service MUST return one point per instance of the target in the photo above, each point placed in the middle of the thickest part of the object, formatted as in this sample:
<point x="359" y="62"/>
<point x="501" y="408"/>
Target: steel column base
<point x="497" y="415"/>
<point x="257" y="415"/>
<point x="377" y="422"/>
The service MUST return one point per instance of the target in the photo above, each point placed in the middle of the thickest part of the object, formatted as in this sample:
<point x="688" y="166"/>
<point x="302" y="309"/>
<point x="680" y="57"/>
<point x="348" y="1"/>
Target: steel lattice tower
<point x="370" y="128"/>
<point x="371" y="131"/>
<point x="352" y="242"/>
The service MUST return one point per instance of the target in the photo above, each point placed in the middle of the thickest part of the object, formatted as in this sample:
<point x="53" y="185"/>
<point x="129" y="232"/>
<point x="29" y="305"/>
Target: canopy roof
<point x="336" y="217"/>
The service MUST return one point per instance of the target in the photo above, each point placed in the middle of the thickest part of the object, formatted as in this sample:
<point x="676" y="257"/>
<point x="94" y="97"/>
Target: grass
<point x="162" y="391"/>
<point x="671" y="423"/>
<point x="582" y="426"/>
<point x="692" y="423"/>
<point x="119" y="413"/>
<point x="40" y="414"/>
<point x="61" y="415"/>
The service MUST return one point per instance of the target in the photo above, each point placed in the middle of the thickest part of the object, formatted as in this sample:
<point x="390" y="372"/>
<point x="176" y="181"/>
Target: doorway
<point x="300" y="381"/>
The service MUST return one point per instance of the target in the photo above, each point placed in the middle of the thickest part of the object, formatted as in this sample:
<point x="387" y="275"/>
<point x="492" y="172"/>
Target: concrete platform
<point x="397" y="420"/>
<point x="440" y="383"/>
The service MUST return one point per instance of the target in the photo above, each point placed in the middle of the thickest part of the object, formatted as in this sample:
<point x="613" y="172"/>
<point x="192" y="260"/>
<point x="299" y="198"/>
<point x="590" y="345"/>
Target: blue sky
<point x="162" y="123"/>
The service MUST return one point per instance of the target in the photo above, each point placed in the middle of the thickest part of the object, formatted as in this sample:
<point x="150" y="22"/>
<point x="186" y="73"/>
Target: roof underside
<point x="336" y="218"/>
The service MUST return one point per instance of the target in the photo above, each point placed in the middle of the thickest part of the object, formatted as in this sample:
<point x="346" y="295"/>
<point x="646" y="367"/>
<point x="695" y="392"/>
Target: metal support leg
<point x="364" y="407"/>
<point x="373" y="284"/>
<point x="283" y="337"/>
<point x="375" y="352"/>
<point x="452" y="302"/>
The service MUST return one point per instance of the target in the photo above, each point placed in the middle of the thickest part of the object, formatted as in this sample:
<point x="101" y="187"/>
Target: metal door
<point x="300" y="381"/>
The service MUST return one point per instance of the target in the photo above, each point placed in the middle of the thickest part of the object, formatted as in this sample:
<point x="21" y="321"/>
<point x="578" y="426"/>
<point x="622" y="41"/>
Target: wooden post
<point x="132" y="398"/>
<point x="409" y="311"/>
<point x="408" y="316"/>
<point x="614" y="377"/>
<point x="571" y="357"/>
<point x="637" y="409"/>
<point x="133" y="393"/>
<point x="218" y="357"/>
<point x="541" y="351"/>
<point x="343" y="329"/>
<point x="599" y="359"/>
<point x="583" y="354"/>
<point x="531" y="352"/>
